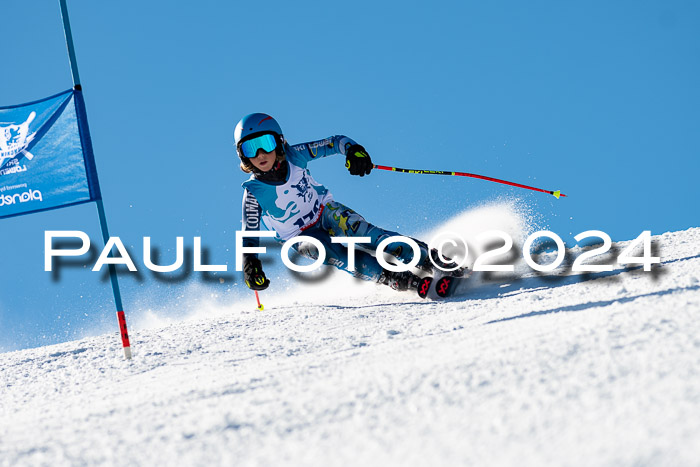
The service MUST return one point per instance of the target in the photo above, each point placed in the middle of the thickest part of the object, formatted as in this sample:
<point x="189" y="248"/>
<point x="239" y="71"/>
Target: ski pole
<point x="556" y="194"/>
<point x="260" y="305"/>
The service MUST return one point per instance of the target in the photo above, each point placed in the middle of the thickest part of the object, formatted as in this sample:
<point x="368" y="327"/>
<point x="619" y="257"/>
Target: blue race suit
<point x="301" y="206"/>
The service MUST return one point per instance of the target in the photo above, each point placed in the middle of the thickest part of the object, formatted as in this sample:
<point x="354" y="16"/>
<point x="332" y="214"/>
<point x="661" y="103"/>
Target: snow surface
<point x="595" y="370"/>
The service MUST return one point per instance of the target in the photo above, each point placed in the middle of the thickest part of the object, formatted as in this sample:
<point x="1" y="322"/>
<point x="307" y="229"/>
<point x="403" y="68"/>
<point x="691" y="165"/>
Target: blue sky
<point x="598" y="99"/>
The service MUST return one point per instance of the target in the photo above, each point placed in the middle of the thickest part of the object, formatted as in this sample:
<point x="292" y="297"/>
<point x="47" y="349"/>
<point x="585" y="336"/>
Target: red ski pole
<point x="556" y="194"/>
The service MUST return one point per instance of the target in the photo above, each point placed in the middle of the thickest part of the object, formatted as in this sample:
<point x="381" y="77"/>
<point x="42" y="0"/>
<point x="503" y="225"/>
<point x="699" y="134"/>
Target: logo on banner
<point x="14" y="140"/>
<point x="29" y="195"/>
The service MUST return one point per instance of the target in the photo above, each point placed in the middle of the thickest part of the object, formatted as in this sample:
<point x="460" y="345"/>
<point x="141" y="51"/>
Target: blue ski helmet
<point x="254" y="125"/>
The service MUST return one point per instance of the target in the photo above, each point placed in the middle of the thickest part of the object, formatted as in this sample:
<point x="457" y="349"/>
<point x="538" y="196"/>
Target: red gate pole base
<point x="125" y="334"/>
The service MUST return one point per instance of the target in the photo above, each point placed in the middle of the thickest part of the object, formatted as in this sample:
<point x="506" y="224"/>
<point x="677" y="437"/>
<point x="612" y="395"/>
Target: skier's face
<point x="265" y="160"/>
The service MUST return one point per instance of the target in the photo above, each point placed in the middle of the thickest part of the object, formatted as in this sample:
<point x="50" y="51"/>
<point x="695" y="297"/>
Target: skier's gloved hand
<point x="254" y="276"/>
<point x="357" y="161"/>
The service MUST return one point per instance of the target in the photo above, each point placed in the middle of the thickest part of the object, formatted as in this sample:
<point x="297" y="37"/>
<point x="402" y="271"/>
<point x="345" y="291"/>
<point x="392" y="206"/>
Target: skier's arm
<point x="252" y="268"/>
<point x="322" y="148"/>
<point x="357" y="160"/>
<point x="252" y="213"/>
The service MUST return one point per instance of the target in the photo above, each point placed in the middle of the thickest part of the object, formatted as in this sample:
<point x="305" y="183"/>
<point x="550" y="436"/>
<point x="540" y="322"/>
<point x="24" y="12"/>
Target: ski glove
<point x="254" y="276"/>
<point x="357" y="161"/>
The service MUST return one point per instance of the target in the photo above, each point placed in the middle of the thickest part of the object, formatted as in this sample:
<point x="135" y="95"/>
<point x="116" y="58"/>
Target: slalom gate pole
<point x="260" y="305"/>
<point x="121" y="318"/>
<point x="87" y="141"/>
<point x="556" y="194"/>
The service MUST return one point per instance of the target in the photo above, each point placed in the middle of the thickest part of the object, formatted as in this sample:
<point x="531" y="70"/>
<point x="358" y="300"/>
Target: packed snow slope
<point x="597" y="370"/>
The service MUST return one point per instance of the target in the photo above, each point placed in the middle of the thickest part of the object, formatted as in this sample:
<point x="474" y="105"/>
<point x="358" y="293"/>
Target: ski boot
<point x="406" y="280"/>
<point x="447" y="267"/>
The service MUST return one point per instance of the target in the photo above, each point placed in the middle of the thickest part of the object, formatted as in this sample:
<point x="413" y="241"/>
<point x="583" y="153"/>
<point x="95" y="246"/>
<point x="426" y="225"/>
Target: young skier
<point x="282" y="193"/>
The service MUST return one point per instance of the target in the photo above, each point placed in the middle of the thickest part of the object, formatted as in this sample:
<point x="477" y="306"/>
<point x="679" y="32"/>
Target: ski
<point x="424" y="286"/>
<point x="446" y="286"/>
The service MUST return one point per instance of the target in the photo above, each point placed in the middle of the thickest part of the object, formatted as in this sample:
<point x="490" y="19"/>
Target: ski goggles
<point x="267" y="143"/>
